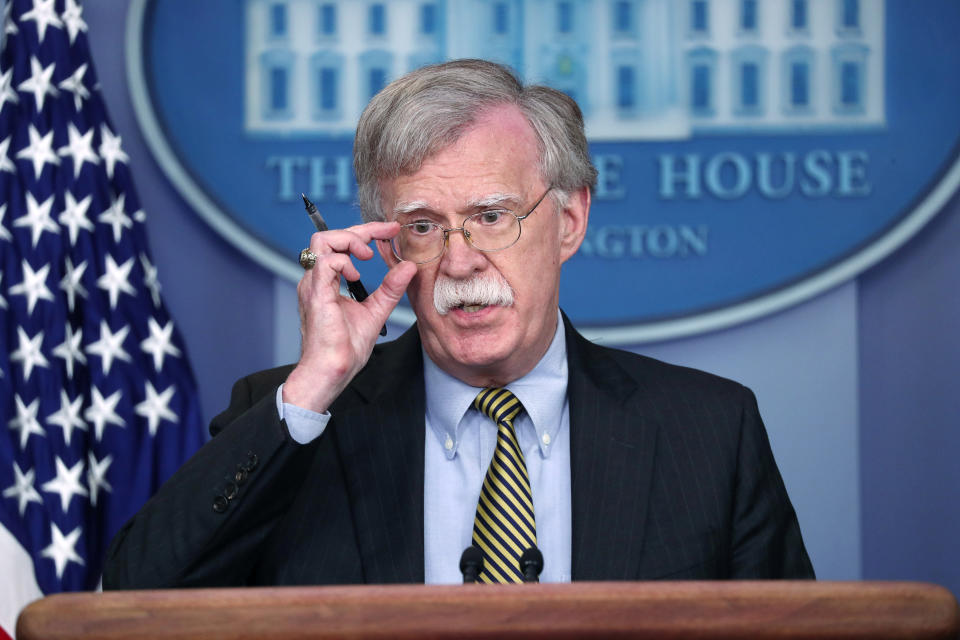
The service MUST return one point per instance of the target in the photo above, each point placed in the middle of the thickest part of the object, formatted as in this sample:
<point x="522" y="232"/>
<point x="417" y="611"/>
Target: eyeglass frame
<point x="466" y="232"/>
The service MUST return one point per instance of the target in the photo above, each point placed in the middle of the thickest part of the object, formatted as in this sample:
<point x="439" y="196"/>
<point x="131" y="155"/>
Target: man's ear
<point x="573" y="222"/>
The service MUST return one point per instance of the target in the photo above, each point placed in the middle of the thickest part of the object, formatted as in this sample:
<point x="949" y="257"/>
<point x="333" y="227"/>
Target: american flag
<point x="97" y="400"/>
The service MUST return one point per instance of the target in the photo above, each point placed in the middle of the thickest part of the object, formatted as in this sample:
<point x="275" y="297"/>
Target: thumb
<point x="394" y="285"/>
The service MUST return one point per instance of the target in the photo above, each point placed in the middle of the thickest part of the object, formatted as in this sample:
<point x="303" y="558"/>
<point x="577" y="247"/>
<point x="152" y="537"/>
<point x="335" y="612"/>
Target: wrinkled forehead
<point x="493" y="163"/>
<point x="415" y="149"/>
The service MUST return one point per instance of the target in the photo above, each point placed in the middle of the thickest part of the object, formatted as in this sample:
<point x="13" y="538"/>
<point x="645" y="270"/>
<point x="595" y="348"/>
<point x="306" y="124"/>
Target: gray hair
<point x="427" y="110"/>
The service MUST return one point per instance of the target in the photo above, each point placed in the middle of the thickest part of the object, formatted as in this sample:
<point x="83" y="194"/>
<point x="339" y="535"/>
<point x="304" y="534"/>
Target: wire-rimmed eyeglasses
<point x="423" y="241"/>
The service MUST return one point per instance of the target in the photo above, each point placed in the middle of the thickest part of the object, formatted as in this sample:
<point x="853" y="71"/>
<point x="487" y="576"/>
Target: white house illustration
<point x="640" y="69"/>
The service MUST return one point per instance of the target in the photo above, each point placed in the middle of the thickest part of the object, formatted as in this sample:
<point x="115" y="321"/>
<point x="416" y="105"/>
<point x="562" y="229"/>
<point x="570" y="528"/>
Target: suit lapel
<point x="611" y="458"/>
<point x="380" y="434"/>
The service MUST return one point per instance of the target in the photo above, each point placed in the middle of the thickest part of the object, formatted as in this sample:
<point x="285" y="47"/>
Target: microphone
<point x="531" y="564"/>
<point x="471" y="564"/>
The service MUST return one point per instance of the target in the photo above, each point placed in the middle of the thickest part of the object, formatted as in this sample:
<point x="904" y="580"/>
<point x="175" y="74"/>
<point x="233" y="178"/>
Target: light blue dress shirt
<point x="459" y="445"/>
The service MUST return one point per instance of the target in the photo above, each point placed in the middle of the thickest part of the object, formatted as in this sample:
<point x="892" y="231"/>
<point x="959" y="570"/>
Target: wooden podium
<point x="609" y="609"/>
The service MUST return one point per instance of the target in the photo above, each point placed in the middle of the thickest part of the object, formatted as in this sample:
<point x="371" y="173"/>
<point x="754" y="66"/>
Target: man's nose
<point x="460" y="259"/>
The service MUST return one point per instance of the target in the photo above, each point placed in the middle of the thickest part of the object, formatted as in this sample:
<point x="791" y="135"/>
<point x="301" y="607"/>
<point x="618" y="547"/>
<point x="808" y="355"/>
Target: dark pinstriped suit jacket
<point x="672" y="478"/>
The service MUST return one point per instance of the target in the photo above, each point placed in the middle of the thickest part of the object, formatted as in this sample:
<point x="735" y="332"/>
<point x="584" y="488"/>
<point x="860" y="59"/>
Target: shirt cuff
<point x="304" y="425"/>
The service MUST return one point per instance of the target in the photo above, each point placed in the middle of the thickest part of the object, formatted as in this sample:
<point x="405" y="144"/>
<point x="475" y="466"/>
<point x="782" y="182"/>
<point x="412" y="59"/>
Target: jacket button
<point x="219" y="504"/>
<point x="252" y="461"/>
<point x="230" y="491"/>
<point x="241" y="475"/>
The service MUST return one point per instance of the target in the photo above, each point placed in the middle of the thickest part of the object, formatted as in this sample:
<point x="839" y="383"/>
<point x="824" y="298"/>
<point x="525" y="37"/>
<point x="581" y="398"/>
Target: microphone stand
<point x="471" y="564"/>
<point x="531" y="564"/>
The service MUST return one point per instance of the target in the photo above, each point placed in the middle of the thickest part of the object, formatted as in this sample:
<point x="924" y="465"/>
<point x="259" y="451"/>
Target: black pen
<point x="356" y="288"/>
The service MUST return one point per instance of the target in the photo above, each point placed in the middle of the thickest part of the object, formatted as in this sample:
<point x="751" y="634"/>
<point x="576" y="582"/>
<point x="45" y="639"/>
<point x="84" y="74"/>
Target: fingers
<point x="335" y="250"/>
<point x="324" y="278"/>
<point x="395" y="283"/>
<point x="339" y="264"/>
<point x="337" y="333"/>
<point x="353" y="240"/>
<point x="388" y="294"/>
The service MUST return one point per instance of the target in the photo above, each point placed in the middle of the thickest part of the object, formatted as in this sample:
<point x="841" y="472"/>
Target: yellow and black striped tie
<point x="504" y="527"/>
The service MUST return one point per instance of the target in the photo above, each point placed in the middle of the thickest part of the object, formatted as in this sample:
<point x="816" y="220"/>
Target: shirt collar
<point x="543" y="392"/>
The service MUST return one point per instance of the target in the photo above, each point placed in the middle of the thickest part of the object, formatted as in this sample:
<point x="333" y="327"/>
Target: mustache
<point x="449" y="293"/>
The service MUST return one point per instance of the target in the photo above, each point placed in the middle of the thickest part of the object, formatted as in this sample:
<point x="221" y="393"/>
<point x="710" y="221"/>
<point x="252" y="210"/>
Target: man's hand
<point x="338" y="333"/>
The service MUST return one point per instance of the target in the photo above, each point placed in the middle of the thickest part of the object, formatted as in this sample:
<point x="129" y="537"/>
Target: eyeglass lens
<point x="487" y="231"/>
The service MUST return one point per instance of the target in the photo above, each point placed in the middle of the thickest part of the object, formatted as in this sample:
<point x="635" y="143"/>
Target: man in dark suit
<point x="491" y="422"/>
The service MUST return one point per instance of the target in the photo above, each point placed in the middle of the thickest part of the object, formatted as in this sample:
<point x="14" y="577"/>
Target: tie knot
<point x="500" y="405"/>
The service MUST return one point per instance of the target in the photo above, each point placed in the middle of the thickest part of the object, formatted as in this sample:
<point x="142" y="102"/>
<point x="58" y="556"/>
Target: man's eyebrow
<point x="409" y="207"/>
<point x="495" y="199"/>
<point x="491" y="200"/>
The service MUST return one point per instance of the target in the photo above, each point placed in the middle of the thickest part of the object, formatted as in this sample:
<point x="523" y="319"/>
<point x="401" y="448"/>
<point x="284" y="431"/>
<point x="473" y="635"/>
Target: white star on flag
<point x="110" y="150"/>
<point x="45" y="15"/>
<point x="22" y="488"/>
<point x="110" y="346"/>
<point x="7" y="92"/>
<point x="97" y="476"/>
<point x="116" y="279"/>
<point x="70" y="283"/>
<point x="149" y="278"/>
<point x="74" y="216"/>
<point x="70" y="351"/>
<point x="116" y="217"/>
<point x="39" y="151"/>
<point x="33" y="285"/>
<point x="6" y="164"/>
<point x="30" y="352"/>
<point x="74" y="84"/>
<point x="10" y="25"/>
<point x="3" y="305"/>
<point x="62" y="548"/>
<point x="37" y="218"/>
<point x="102" y="411"/>
<point x="156" y="407"/>
<point x="66" y="484"/>
<point x="79" y="148"/>
<point x="159" y="343"/>
<point x="26" y="420"/>
<point x="73" y="17"/>
<point x="39" y="82"/>
<point x="67" y="417"/>
<point x="4" y="234"/>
